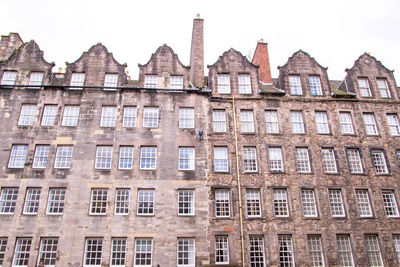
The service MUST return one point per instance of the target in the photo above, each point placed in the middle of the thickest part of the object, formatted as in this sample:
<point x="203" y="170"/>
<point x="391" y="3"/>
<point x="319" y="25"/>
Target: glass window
<point x="143" y="252"/>
<point x="271" y="121"/>
<point x="393" y="122"/>
<point x="383" y="88"/>
<point x="224" y="84"/>
<point x="186" y="202"/>
<point x="186" y="252"/>
<point x="308" y="202"/>
<point x="257" y="251"/>
<point x="145" y="202"/>
<point x="150" y="117"/>
<point x="122" y="199"/>
<point x="221" y="249"/>
<point x="3" y="245"/>
<point x="219" y="121"/>
<point x="329" y="160"/>
<point x="370" y="124"/>
<point x="27" y="115"/>
<point x="35" y="80"/>
<point x="222" y="203"/>
<point x="281" y="207"/>
<point x="364" y="87"/>
<point x="186" y="118"/>
<point x="103" y="157"/>
<point x="108" y="116"/>
<point x="9" y="78"/>
<point x="21" y="252"/>
<point x="286" y="252"/>
<point x="315" y="85"/>
<point x="336" y="203"/>
<point x="396" y="241"/>
<point x="18" y="156"/>
<point x="186" y="158"/>
<point x="247" y="121"/>
<point x="125" y="157"/>
<point x="355" y="165"/>
<point x="32" y="199"/>
<point x="303" y="160"/>
<point x="249" y="159"/>
<point x="71" y="116"/>
<point x="56" y="201"/>
<point x="41" y="155"/>
<point x="253" y="199"/>
<point x="118" y="252"/>
<point x="389" y="203"/>
<point x="373" y="251"/>
<point x="221" y="159"/>
<point x="321" y="121"/>
<point x="49" y="115"/>
<point x="63" y="157"/>
<point x="275" y="159"/>
<point x="111" y="80"/>
<point x="176" y="82"/>
<point x="346" y="123"/>
<point x="129" y="119"/>
<point x="345" y="253"/>
<point x="150" y="81"/>
<point x="77" y="81"/>
<point x="93" y="251"/>
<point x="315" y="251"/>
<point x="48" y="251"/>
<point x="148" y="157"/>
<point x="244" y="84"/>
<point x="379" y="162"/>
<point x="364" y="206"/>
<point x="295" y="85"/>
<point x="98" y="202"/>
<point x="8" y="200"/>
<point x="296" y="118"/>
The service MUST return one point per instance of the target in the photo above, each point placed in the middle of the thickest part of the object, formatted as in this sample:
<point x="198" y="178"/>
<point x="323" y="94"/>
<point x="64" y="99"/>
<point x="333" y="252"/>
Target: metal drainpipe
<point x="238" y="183"/>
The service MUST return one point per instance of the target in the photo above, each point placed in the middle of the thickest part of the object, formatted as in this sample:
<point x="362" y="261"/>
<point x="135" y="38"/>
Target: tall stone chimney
<point x="197" y="53"/>
<point x="261" y="59"/>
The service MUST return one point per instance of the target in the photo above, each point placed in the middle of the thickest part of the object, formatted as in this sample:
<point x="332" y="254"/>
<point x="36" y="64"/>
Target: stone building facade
<point x="178" y="169"/>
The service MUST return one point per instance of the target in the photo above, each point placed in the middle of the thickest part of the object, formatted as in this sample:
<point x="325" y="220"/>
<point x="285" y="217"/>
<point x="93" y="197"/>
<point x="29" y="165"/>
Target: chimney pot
<point x="197" y="16"/>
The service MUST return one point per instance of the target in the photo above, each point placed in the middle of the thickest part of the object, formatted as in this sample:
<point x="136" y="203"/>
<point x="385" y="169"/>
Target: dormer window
<point x="383" y="88"/>
<point x="150" y="81"/>
<point x="315" y="85"/>
<point x="295" y="85"/>
<point x="176" y="82"/>
<point x="35" y="80"/>
<point x="224" y="84"/>
<point x="77" y="79"/>
<point x="244" y="84"/>
<point x="111" y="80"/>
<point x="9" y="78"/>
<point x="363" y="84"/>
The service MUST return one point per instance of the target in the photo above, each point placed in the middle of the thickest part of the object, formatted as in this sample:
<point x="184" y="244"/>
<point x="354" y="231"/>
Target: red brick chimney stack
<point x="261" y="59"/>
<point x="197" y="53"/>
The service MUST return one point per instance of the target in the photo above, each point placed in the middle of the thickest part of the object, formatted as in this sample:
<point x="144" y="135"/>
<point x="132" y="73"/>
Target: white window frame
<point x="48" y="251"/>
<point x="219" y="120"/>
<point x="18" y="156"/>
<point x="379" y="162"/>
<point x="396" y="243"/>
<point x="390" y="203"/>
<point x="275" y="159"/>
<point x="271" y="121"/>
<point x="27" y="115"/>
<point x="329" y="160"/>
<point x="35" y="80"/>
<point x="256" y="251"/>
<point x="363" y="203"/>
<point x="247" y="121"/>
<point x="253" y="203"/>
<point x="222" y="203"/>
<point x="224" y="83"/>
<point x="125" y="158"/>
<point x="186" y="202"/>
<point x="118" y="252"/>
<point x="150" y="81"/>
<point x="315" y="85"/>
<point x="9" y="78"/>
<point x="143" y="252"/>
<point x="146" y="202"/>
<point x="297" y="121"/>
<point x="186" y="252"/>
<point x="346" y="122"/>
<point x="370" y="124"/>
<point x="281" y="203"/>
<point x="393" y="123"/>
<point x="383" y="88"/>
<point x="49" y="115"/>
<point x="176" y="82"/>
<point x="129" y="117"/>
<point x="150" y="117"/>
<point x="98" y="201"/>
<point x="373" y="250"/>
<point x="336" y="203"/>
<point x="221" y="162"/>
<point x="286" y="250"/>
<point x="345" y="252"/>
<point x="221" y="249"/>
<point x="93" y="246"/>
<point x="103" y="157"/>
<point x="309" y="203"/>
<point x="244" y="82"/>
<point x="315" y="250"/>
<point x="250" y="159"/>
<point x="295" y="85"/>
<point x="303" y="162"/>
<point x="78" y="80"/>
<point x="32" y="201"/>
<point x="321" y="122"/>
<point x="108" y="116"/>
<point x="3" y="246"/>
<point x="363" y="85"/>
<point x="355" y="163"/>
<point x="186" y="118"/>
<point x="187" y="156"/>
<point x="111" y="80"/>
<point x="148" y="158"/>
<point x="22" y="251"/>
<point x="63" y="157"/>
<point x="56" y="201"/>
<point x="70" y="115"/>
<point x="41" y="156"/>
<point x="122" y="201"/>
<point x="8" y="200"/>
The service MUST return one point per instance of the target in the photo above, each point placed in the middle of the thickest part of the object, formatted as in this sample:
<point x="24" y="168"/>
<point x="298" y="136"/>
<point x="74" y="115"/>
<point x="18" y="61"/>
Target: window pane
<point x="71" y="115"/>
<point x="186" y="118"/>
<point x="111" y="80"/>
<point x="63" y="157"/>
<point x="150" y="117"/>
<point x="148" y="158"/>
<point x="224" y="84"/>
<point x="275" y="159"/>
<point x="118" y="252"/>
<point x="253" y="202"/>
<point x="271" y="121"/>
<point x="219" y="121"/>
<point x="329" y="160"/>
<point x="18" y="156"/>
<point x="257" y="251"/>
<point x="321" y="121"/>
<point x="346" y="123"/>
<point x="21" y="252"/>
<point x="345" y="254"/>
<point x="186" y="158"/>
<point x="373" y="251"/>
<point x="103" y="157"/>
<point x="8" y="200"/>
<point x="336" y="203"/>
<point x="27" y="115"/>
<point x="145" y="202"/>
<point x="393" y="122"/>
<point x="186" y="252"/>
<point x="286" y="254"/>
<point x="364" y="87"/>
<point x="315" y="85"/>
<point x="93" y="251"/>
<point x="56" y="201"/>
<point x="125" y="157"/>
<point x="122" y="199"/>
<point x="150" y="81"/>
<point x="9" y="78"/>
<point x="249" y="159"/>
<point x="221" y="250"/>
<point x="77" y="81"/>
<point x="143" y="252"/>
<point x="3" y="245"/>
<point x="353" y="156"/>
<point x="364" y="207"/>
<point x="35" y="80"/>
<point x="32" y="199"/>
<point x="281" y="208"/>
<point x="108" y="116"/>
<point x="303" y="160"/>
<point x="390" y="204"/>
<point x="247" y="121"/>
<point x="41" y="155"/>
<point x="98" y="202"/>
<point x="221" y="159"/>
<point x="296" y="118"/>
<point x="186" y="202"/>
<point x="383" y="88"/>
<point x="129" y="119"/>
<point x="48" y="251"/>
<point x="49" y="115"/>
<point x="370" y="124"/>
<point x="244" y="84"/>
<point x="379" y="162"/>
<point x="315" y="251"/>
<point x="222" y="203"/>
<point x="176" y="82"/>
<point x="295" y="85"/>
<point x="308" y="201"/>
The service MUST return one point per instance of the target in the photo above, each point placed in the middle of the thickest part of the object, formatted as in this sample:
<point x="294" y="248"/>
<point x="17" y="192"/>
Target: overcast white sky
<point x="335" y="32"/>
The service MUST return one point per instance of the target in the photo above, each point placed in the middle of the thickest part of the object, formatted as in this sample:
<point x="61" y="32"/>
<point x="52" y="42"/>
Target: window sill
<point x="222" y="172"/>
<point x="186" y="215"/>
<point x="277" y="172"/>
<point x="256" y="218"/>
<point x="349" y="134"/>
<point x="311" y="218"/>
